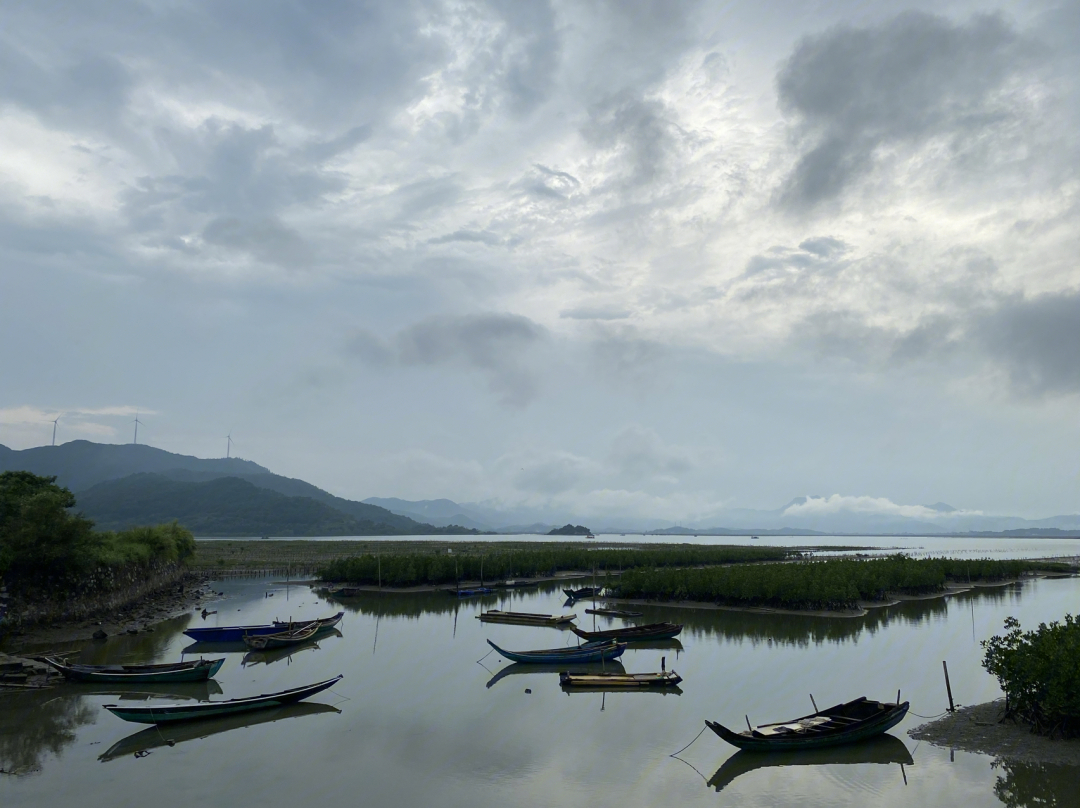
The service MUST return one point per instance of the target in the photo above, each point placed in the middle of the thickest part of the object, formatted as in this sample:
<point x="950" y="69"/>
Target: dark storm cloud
<point x="496" y="344"/>
<point x="1031" y="341"/>
<point x="640" y="130"/>
<point x="854" y="90"/>
<point x="1035" y="341"/>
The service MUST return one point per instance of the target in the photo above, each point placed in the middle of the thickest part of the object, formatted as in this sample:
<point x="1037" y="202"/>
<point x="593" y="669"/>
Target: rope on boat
<point x="673" y="754"/>
<point x="485" y="656"/>
<point x="928" y="717"/>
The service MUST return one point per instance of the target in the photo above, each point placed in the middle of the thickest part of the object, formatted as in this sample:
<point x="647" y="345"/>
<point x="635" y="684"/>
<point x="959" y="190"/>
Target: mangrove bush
<point x="1039" y="671"/>
<point x="828" y="584"/>
<point x="440" y="567"/>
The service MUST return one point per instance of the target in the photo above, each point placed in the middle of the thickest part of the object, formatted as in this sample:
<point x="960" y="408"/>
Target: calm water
<point x="417" y="721"/>
<point x="915" y="546"/>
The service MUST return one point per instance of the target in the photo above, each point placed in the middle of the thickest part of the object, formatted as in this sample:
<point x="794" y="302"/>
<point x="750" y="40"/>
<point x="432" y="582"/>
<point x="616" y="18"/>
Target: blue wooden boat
<point x="843" y="723"/>
<point x="589" y="652"/>
<point x="237" y="633"/>
<point x="169" y="713"/>
<point x="195" y="671"/>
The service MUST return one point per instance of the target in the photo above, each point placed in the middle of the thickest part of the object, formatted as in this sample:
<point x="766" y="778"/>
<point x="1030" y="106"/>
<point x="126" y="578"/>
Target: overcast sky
<point x="633" y="257"/>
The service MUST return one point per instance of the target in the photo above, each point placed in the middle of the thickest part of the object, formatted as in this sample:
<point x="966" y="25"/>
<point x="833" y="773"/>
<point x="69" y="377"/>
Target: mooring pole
<point x="816" y="710"/>
<point x="748" y="723"/>
<point x="948" y="687"/>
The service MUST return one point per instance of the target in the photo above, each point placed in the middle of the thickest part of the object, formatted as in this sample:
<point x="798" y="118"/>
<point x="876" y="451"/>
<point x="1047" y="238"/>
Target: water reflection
<point x="519" y="668"/>
<point x="143" y="647"/>
<point x="155" y="737"/>
<point x="178" y="691"/>
<point x="884" y="749"/>
<point x="37" y="724"/>
<point x="1027" y="785"/>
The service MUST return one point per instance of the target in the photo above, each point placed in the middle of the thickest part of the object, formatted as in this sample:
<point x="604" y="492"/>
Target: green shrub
<point x="1039" y="671"/>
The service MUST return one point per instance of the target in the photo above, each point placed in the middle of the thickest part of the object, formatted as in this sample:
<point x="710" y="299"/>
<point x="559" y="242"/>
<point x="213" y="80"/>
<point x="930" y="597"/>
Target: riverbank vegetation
<point x="496" y="563"/>
<point x="46" y="550"/>
<point x="1039" y="671"/>
<point x="832" y="584"/>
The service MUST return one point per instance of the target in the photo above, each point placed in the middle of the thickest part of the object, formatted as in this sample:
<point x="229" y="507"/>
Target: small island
<point x="570" y="530"/>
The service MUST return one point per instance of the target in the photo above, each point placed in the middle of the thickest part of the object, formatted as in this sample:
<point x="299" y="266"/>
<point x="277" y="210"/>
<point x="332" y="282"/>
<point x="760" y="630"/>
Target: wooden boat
<point x="152" y="737"/>
<point x="469" y="593"/>
<point x="881" y="749"/>
<point x="843" y="723"/>
<point x="195" y="671"/>
<point x="270" y="656"/>
<point x="168" y="713"/>
<point x="590" y="652"/>
<point x="285" y="638"/>
<point x="237" y="633"/>
<point x="613" y="613"/>
<point x="584" y="592"/>
<point x="346" y="592"/>
<point x="619" y="681"/>
<point x="526" y="619"/>
<point x="649" y="631"/>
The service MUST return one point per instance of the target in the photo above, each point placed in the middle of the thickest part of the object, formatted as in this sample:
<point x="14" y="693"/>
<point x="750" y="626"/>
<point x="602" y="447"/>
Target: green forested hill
<point x="225" y="506"/>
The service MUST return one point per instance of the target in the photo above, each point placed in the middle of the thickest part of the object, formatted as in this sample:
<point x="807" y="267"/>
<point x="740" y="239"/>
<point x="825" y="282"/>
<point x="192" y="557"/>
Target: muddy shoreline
<point x="979" y="729"/>
<point x="139" y="616"/>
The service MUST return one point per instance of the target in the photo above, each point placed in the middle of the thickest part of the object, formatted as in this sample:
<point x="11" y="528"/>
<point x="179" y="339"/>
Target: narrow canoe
<point x="612" y="613"/>
<point x="285" y="638"/>
<point x="619" y="680"/>
<point x="650" y="631"/>
<point x="194" y="671"/>
<point x="843" y="723"/>
<point x="237" y="633"/>
<point x="882" y="749"/>
<point x="152" y="737"/>
<point x="168" y="713"/>
<point x="590" y="652"/>
<point x="469" y="593"/>
<point x="524" y="618"/>
<point x="584" y="592"/>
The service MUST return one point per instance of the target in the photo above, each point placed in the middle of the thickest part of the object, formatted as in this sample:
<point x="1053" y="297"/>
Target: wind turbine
<point x="57" y="418"/>
<point x="137" y="422"/>
<point x="228" y="446"/>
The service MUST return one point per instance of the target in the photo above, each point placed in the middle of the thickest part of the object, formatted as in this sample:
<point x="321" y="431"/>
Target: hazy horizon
<point x="659" y="259"/>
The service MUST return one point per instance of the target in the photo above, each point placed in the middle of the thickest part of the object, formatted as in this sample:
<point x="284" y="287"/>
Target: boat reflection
<point x="212" y="648"/>
<point x="198" y="691"/>
<point x="156" y="736"/>
<point x="518" y="668"/>
<point x="884" y="749"/>
<point x="277" y="654"/>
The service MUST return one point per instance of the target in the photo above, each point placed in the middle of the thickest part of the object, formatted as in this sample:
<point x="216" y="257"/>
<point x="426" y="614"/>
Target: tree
<point x="38" y="533"/>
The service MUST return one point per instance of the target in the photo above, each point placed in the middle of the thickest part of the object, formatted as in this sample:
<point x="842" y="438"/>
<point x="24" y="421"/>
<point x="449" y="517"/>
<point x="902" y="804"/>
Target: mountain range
<point x="119" y="485"/>
<point x="122" y="485"/>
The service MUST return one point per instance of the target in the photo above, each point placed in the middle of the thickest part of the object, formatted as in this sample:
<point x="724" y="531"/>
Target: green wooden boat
<point x="850" y="722"/>
<point x="169" y="713"/>
<point x="195" y="671"/>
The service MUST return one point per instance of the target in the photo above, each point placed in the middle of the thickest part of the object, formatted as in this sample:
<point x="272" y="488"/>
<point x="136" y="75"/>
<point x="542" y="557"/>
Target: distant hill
<point x="80" y="464"/>
<point x="125" y="484"/>
<point x="224" y="506"/>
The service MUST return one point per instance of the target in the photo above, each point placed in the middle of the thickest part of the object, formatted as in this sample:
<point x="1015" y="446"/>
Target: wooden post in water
<point x="948" y="687"/>
<point x="379" y="557"/>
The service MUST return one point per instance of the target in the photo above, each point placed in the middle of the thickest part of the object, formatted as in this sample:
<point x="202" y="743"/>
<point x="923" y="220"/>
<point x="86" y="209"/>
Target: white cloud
<point x="838" y="503"/>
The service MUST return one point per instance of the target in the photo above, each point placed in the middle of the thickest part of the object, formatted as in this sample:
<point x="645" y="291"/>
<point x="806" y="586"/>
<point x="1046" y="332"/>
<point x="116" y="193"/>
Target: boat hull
<point x="237" y="633"/>
<point x="526" y="619"/>
<point x="865" y="729"/>
<point x="597" y="653"/>
<point x="195" y="673"/>
<point x="656" y="631"/>
<point x="170" y="713"/>
<point x="620" y="681"/>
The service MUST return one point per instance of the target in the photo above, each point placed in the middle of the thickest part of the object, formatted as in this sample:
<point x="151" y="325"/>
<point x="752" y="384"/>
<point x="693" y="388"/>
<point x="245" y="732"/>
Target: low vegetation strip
<point x="494" y="563"/>
<point x="833" y="584"/>
<point x="1039" y="671"/>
